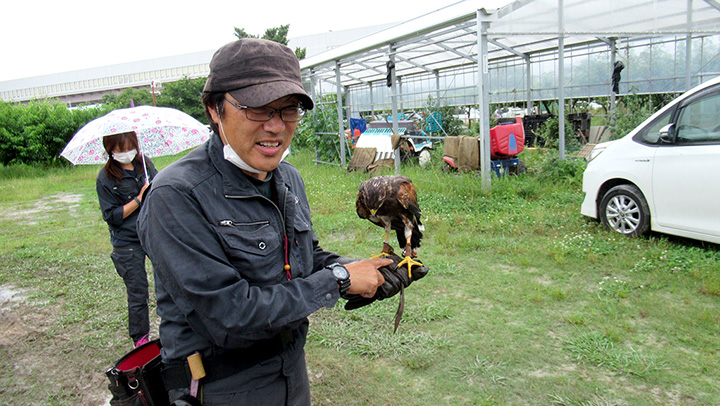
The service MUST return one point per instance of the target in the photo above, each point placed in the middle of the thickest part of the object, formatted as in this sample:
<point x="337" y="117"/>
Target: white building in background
<point x="89" y="85"/>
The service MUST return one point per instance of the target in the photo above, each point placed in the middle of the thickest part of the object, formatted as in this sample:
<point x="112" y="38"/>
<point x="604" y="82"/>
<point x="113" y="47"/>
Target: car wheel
<point x="624" y="210"/>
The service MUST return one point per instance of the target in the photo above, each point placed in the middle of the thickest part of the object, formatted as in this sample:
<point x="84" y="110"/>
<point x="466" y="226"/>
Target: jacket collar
<point x="126" y="173"/>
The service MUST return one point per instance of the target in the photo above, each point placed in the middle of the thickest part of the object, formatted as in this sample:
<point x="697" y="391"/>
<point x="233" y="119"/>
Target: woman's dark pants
<point x="129" y="262"/>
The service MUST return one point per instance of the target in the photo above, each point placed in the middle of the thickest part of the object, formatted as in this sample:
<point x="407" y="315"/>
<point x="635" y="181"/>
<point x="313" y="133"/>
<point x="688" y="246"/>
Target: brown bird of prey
<point x="391" y="202"/>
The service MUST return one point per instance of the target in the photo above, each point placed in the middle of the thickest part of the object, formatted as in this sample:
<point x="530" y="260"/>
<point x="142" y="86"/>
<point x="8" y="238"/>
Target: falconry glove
<point x="396" y="280"/>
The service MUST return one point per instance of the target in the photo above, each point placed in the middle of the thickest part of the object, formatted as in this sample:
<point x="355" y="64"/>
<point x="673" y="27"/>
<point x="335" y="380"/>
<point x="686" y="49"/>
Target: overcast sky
<point x="39" y="37"/>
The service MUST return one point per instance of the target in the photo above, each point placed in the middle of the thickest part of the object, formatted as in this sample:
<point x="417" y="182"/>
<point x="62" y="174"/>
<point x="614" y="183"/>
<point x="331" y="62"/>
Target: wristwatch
<point x="342" y="275"/>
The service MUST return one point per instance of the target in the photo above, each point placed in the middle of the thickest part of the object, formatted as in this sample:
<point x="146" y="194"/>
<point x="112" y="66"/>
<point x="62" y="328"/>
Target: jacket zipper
<point x="282" y="221"/>
<point x="230" y="223"/>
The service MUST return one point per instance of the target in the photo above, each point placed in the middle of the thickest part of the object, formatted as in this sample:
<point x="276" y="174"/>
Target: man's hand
<point x="365" y="277"/>
<point x="395" y="280"/>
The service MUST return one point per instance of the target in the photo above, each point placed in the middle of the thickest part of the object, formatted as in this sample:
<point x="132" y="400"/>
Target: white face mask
<point x="125" y="157"/>
<point x="232" y="156"/>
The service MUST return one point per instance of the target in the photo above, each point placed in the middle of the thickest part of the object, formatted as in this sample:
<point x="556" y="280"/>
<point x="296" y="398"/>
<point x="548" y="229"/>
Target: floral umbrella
<point x="160" y="131"/>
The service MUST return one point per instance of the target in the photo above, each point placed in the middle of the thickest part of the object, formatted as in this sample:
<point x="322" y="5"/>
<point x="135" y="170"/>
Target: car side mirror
<point x="667" y="133"/>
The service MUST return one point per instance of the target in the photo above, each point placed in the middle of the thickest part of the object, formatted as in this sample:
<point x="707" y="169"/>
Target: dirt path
<point x="47" y="361"/>
<point x="44" y="365"/>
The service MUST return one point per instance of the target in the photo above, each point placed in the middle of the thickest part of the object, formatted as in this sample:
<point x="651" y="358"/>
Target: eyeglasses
<point x="289" y="114"/>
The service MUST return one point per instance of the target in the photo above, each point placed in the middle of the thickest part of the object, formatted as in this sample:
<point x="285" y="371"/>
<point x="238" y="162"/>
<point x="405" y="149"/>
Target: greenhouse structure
<point x="523" y="53"/>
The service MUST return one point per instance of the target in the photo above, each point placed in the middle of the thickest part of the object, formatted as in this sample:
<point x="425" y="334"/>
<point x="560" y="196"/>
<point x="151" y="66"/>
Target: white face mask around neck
<point x="125" y="157"/>
<point x="232" y="156"/>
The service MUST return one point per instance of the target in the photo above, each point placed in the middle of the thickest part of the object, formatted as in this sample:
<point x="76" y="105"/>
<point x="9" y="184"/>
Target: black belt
<point x="228" y="363"/>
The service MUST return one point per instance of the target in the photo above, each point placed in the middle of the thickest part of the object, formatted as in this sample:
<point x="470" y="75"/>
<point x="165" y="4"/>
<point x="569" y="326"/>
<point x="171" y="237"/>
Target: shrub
<point x="318" y="130"/>
<point x="633" y="109"/>
<point x="546" y="165"/>
<point x="37" y="132"/>
<point x="550" y="132"/>
<point x="569" y="170"/>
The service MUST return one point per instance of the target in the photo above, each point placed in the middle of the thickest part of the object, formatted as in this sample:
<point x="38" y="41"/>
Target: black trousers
<point x="129" y="262"/>
<point x="281" y="380"/>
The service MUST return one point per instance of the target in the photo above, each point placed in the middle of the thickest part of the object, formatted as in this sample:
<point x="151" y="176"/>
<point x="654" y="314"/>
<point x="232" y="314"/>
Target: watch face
<point x="340" y="272"/>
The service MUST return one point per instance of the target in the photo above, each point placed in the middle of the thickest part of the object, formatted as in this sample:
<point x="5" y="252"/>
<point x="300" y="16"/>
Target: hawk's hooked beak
<point x="373" y="212"/>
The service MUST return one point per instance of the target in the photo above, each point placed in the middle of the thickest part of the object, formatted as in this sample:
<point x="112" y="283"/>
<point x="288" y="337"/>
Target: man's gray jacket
<point x="218" y="251"/>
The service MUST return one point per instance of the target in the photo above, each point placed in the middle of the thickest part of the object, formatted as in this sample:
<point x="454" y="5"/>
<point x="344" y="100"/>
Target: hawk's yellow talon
<point x="410" y="262"/>
<point x="380" y="255"/>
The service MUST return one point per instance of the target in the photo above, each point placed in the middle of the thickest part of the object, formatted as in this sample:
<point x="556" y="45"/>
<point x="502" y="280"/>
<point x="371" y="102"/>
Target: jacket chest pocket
<point x="127" y="190"/>
<point x="251" y="247"/>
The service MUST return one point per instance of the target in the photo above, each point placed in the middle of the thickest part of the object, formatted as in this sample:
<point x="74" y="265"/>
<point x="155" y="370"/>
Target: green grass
<point x="526" y="302"/>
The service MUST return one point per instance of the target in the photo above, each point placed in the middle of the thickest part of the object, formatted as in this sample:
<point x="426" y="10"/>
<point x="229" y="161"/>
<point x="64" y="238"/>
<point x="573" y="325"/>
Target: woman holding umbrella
<point x="121" y="185"/>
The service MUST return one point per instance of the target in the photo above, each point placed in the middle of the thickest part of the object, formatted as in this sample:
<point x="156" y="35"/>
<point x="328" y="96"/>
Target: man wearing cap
<point x="237" y="265"/>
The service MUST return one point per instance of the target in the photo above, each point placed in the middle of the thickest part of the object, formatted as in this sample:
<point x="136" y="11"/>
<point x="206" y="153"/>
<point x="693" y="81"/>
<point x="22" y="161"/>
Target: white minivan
<point x="665" y="174"/>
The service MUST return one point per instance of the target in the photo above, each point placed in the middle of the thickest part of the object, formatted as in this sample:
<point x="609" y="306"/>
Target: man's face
<point x="260" y="144"/>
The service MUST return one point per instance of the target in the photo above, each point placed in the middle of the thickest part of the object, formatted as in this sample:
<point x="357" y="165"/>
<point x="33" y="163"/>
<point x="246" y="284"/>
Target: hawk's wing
<point x="407" y="209"/>
<point x="407" y="196"/>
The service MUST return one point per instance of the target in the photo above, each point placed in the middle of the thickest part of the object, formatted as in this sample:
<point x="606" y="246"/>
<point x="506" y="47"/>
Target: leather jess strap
<point x="228" y="363"/>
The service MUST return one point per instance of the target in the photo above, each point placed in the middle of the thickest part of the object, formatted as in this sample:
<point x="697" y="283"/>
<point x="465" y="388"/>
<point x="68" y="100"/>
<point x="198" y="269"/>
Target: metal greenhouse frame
<point x="523" y="52"/>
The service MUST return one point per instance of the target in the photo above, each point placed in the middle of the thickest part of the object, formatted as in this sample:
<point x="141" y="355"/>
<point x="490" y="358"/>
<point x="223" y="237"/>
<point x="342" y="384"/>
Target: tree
<point x="184" y="95"/>
<point x="277" y="34"/>
<point x="300" y="52"/>
<point x="240" y="33"/>
<point x="139" y="97"/>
